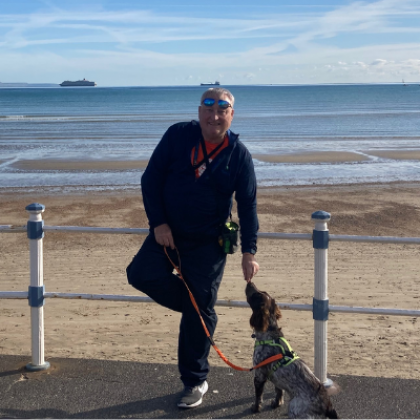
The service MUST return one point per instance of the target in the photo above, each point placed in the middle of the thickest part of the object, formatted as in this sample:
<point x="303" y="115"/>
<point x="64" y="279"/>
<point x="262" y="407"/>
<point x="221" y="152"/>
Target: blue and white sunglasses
<point x="222" y="104"/>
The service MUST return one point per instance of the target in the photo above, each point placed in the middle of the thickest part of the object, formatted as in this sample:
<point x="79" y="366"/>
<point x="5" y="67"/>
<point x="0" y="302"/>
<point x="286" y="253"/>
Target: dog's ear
<point x="275" y="309"/>
<point x="260" y="319"/>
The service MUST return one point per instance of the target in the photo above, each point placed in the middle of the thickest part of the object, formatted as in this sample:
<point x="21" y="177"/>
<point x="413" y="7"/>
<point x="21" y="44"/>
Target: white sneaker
<point x="193" y="396"/>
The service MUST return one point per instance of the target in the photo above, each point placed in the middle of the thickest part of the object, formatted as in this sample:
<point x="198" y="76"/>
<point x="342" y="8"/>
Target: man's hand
<point x="250" y="267"/>
<point x="163" y="235"/>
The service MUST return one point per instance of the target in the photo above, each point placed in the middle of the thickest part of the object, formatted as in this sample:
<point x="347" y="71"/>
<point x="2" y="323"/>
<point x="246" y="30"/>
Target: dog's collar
<point x="289" y="355"/>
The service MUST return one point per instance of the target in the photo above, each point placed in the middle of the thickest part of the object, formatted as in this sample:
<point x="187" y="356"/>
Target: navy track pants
<point x="202" y="266"/>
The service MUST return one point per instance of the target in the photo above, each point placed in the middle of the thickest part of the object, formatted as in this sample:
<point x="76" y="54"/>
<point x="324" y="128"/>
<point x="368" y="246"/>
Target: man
<point x="186" y="203"/>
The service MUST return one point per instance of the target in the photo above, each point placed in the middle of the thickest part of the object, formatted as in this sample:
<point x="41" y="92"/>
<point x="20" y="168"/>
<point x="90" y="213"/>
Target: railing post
<point x="320" y="301"/>
<point x="36" y="290"/>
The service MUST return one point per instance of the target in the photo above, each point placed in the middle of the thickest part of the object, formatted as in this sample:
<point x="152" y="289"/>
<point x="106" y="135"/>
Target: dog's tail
<point x="334" y="389"/>
<point x="332" y="414"/>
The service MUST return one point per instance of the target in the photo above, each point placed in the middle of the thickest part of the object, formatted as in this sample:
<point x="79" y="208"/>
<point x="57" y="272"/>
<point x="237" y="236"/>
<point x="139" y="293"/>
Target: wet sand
<point x="79" y="165"/>
<point x="313" y="157"/>
<point x="397" y="154"/>
<point x="122" y="165"/>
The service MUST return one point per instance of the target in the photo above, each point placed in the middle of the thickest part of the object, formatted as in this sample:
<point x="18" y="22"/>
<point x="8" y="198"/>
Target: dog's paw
<point x="277" y="403"/>
<point x="256" y="408"/>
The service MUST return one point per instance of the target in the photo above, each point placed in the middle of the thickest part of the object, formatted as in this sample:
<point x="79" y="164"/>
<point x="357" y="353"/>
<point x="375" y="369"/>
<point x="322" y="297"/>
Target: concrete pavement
<point x="79" y="388"/>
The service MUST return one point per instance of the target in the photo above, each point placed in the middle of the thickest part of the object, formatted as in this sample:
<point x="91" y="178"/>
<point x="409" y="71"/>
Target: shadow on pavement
<point x="79" y="388"/>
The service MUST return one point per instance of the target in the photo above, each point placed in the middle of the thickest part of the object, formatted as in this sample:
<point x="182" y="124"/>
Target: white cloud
<point x="137" y="26"/>
<point x="360" y="64"/>
<point x="146" y="26"/>
<point x="379" y="62"/>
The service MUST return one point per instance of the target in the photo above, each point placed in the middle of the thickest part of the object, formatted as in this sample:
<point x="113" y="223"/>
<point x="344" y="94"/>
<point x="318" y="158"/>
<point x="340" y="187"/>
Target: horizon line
<point x="29" y="84"/>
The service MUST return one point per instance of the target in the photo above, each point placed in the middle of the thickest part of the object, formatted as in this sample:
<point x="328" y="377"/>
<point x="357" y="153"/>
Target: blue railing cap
<point x="321" y="215"/>
<point x="35" y="207"/>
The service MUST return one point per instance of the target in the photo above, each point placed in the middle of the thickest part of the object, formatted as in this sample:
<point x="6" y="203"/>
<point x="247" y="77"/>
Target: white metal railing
<point x="320" y="307"/>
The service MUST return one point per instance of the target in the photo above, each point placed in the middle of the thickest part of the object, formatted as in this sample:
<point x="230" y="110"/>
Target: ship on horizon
<point x="84" y="82"/>
<point x="216" y="83"/>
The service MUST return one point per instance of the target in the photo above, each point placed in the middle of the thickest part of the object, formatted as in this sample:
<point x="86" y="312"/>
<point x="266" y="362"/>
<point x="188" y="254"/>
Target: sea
<point x="126" y="123"/>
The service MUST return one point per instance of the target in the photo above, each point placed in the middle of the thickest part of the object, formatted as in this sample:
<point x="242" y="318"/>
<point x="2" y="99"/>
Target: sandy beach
<point x="370" y="275"/>
<point x="311" y="156"/>
<point x="79" y="165"/>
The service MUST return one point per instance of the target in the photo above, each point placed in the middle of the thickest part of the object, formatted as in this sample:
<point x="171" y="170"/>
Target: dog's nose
<point x="250" y="287"/>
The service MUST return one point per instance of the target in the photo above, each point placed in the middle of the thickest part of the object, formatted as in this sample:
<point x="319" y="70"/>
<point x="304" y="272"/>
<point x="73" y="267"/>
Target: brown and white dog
<point x="309" y="399"/>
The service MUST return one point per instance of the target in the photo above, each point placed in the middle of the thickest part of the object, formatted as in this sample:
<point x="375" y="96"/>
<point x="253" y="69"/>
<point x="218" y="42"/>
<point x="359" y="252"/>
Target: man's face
<point x="214" y="120"/>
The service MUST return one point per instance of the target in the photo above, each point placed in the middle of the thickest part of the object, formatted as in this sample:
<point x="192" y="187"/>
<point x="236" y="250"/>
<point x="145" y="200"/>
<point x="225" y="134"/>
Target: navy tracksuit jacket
<point x="194" y="209"/>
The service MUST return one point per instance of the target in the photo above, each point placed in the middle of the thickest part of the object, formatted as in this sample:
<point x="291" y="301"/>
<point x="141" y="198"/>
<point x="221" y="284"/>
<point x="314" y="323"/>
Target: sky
<point x="184" y="42"/>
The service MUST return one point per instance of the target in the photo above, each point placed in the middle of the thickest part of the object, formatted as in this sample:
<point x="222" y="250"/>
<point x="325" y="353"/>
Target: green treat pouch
<point x="228" y="238"/>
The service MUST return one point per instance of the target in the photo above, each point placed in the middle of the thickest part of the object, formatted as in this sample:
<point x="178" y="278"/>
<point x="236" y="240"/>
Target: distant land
<point x="28" y="85"/>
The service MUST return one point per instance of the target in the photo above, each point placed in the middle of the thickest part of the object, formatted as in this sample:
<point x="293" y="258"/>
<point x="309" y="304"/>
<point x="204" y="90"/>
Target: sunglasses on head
<point x="222" y="104"/>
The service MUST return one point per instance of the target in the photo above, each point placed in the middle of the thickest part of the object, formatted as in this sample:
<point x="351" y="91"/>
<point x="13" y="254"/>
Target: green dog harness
<point x="289" y="355"/>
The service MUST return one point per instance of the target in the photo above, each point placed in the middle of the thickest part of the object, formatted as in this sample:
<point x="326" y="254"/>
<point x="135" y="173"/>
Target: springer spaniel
<point x="309" y="399"/>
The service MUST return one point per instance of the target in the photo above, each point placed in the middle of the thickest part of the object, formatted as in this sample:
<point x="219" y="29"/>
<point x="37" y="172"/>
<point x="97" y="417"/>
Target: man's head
<point x="215" y="113"/>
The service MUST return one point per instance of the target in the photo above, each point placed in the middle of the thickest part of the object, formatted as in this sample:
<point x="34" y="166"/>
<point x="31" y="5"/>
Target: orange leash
<point x="222" y="356"/>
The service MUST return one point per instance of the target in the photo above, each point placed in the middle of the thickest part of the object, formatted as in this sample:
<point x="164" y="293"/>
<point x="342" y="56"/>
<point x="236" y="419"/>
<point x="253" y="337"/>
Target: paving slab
<point x="81" y="388"/>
